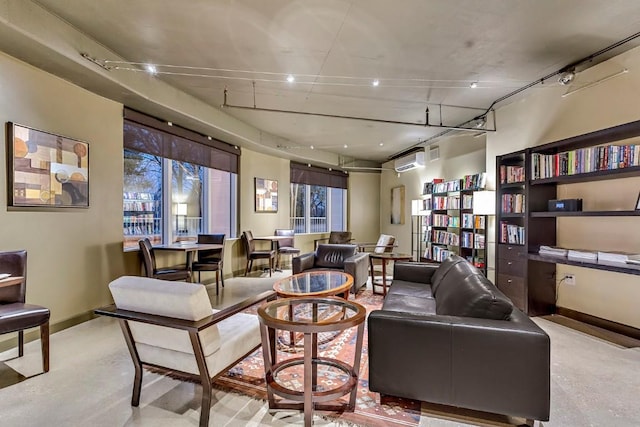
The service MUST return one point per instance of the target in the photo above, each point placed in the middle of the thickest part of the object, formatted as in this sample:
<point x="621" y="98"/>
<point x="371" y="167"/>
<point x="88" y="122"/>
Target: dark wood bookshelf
<point x="525" y="276"/>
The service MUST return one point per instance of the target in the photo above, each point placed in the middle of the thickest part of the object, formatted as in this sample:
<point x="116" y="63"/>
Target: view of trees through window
<point x="317" y="209"/>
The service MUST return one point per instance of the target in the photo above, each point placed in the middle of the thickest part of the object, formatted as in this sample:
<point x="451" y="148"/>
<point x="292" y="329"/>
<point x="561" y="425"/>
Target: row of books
<point x="474" y="182"/>
<point x="471" y="241"/>
<point x="512" y="203"/>
<point x="445" y="221"/>
<point x="442" y="203"/>
<point x="511" y="174"/>
<point x="602" y="257"/>
<point x="439" y="254"/>
<point x="445" y="187"/>
<point x="473" y="221"/>
<point x="467" y="201"/>
<point x="584" y="160"/>
<point x="445" y="238"/>
<point x="511" y="233"/>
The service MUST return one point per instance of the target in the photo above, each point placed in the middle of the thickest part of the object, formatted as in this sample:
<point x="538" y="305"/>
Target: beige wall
<point x="72" y="253"/>
<point x="364" y="206"/>
<point x="545" y="116"/>
<point x="459" y="156"/>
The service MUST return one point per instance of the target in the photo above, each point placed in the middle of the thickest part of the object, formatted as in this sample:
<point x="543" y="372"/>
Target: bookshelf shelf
<point x="512" y="185"/>
<point x="512" y="215"/>
<point x="626" y="269"/>
<point x="584" y="213"/>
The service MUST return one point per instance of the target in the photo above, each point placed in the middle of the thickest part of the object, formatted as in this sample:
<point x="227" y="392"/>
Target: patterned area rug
<point x="247" y="378"/>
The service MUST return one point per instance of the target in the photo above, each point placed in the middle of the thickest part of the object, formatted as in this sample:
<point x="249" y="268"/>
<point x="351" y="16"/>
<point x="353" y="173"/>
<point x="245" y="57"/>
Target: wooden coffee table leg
<point x="384" y="277"/>
<point x="309" y="379"/>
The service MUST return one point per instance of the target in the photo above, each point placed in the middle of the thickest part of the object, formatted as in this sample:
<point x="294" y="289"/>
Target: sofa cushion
<point x="444" y="269"/>
<point x="333" y="256"/>
<point x="414" y="289"/>
<point x="472" y="295"/>
<point x="409" y="304"/>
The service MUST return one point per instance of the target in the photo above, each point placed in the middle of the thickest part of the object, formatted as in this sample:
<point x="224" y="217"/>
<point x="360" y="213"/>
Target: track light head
<point x="567" y="77"/>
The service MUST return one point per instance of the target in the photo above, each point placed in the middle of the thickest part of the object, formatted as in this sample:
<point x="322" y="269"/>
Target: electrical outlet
<point x="570" y="279"/>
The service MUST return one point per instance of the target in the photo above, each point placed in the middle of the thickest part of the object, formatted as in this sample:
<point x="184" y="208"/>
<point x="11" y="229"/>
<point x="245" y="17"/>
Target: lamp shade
<point x="484" y="202"/>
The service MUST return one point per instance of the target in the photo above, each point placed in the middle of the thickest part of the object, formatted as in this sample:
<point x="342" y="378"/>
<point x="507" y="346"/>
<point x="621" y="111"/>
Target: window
<point x="318" y="200"/>
<point x="174" y="187"/>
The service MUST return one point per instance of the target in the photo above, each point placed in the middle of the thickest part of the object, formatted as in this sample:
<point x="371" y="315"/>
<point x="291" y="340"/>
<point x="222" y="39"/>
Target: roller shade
<point x="303" y="174"/>
<point x="149" y="135"/>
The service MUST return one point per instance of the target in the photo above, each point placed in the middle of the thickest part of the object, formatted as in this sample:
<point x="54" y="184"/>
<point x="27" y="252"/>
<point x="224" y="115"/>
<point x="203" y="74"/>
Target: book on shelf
<point x="511" y="233"/>
<point x="474" y="182"/>
<point x="513" y="203"/>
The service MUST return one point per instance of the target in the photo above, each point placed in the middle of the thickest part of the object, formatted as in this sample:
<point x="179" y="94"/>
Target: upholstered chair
<point x="179" y="272"/>
<point x="173" y="329"/>
<point x="210" y="259"/>
<point x="286" y="246"/>
<point x="335" y="237"/>
<point x="15" y="314"/>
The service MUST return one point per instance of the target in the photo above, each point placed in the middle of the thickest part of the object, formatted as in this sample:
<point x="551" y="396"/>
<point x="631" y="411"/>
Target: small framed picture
<point x="638" y="203"/>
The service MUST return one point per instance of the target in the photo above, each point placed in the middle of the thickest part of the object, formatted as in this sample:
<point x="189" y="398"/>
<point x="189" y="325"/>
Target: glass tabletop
<point x="314" y="283"/>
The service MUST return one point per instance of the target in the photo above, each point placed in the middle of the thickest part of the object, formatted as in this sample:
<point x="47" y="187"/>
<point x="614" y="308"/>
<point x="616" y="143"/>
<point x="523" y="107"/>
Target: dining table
<point x="189" y="248"/>
<point x="274" y="243"/>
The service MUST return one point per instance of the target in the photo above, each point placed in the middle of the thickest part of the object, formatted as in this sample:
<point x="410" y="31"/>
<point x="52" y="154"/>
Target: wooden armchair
<point x="15" y="314"/>
<point x="173" y="329"/>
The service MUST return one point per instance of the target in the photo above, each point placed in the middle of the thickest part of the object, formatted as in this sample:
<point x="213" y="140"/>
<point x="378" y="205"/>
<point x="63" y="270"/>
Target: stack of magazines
<point x="581" y="255"/>
<point x="618" y="258"/>
<point x="552" y="251"/>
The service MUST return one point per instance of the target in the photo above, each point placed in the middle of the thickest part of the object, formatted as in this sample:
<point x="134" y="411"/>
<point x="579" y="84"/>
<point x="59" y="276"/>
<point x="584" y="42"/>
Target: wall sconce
<point x="484" y="202"/>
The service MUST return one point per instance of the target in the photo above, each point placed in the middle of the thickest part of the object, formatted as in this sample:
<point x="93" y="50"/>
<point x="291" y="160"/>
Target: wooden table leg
<point x="384" y="277"/>
<point x="309" y="379"/>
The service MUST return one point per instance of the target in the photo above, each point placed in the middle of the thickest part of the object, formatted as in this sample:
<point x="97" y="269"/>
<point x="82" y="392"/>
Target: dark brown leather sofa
<point x="336" y="257"/>
<point x="447" y="335"/>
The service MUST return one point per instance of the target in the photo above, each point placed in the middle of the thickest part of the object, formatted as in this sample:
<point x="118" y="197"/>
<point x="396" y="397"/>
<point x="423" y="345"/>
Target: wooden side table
<point x="310" y="316"/>
<point x="384" y="258"/>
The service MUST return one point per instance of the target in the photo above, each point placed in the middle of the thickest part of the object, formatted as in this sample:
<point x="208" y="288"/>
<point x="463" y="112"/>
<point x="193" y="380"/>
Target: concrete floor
<point x="594" y="383"/>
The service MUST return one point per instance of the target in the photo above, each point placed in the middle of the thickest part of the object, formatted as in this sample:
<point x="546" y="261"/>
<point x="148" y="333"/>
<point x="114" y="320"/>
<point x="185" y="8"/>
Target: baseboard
<point x="609" y="325"/>
<point x="11" y="340"/>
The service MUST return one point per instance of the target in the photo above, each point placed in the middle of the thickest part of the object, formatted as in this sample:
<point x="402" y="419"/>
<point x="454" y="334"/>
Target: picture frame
<point x="45" y="169"/>
<point x="638" y="203"/>
<point x="266" y="195"/>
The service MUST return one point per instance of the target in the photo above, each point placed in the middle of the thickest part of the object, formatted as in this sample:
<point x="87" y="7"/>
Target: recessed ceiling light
<point x="473" y="85"/>
<point x="209" y="138"/>
<point x="346" y="146"/>
<point x="308" y="165"/>
<point x="290" y="78"/>
<point x="376" y="82"/>
<point x="312" y="147"/>
<point x="381" y="144"/>
<point x="170" y="123"/>
<point x="151" y="69"/>
<point x="330" y="169"/>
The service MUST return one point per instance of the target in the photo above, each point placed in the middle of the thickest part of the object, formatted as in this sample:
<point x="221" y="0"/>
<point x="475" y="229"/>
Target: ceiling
<point x="423" y="53"/>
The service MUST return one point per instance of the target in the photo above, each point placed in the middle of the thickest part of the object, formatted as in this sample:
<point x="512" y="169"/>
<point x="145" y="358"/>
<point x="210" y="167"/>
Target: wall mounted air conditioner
<point x="412" y="161"/>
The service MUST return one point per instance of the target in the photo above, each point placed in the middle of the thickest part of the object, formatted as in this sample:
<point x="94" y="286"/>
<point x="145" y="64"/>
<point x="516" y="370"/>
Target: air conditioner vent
<point x="434" y="153"/>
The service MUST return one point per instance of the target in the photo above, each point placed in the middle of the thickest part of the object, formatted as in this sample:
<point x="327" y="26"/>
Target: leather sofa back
<point x="333" y="255"/>
<point x="464" y="291"/>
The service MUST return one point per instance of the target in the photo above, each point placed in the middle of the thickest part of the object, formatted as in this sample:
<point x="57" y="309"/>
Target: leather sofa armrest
<point x="419" y="272"/>
<point x="357" y="266"/>
<point x="303" y="262"/>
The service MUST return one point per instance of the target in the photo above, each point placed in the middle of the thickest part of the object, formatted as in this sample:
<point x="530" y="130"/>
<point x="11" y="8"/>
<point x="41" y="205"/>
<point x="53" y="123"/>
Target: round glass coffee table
<point x="310" y="316"/>
<point x="315" y="283"/>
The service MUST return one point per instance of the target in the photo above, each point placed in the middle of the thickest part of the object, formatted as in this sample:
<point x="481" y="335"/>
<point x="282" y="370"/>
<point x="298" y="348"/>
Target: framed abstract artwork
<point x="45" y="169"/>
<point x="266" y="195"/>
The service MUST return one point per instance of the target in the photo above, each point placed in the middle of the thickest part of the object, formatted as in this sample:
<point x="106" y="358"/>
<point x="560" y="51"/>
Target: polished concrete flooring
<point x="594" y="383"/>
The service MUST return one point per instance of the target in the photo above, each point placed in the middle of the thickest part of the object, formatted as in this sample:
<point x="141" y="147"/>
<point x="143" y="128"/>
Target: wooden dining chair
<point x="286" y="246"/>
<point x="210" y="259"/>
<point x="178" y="272"/>
<point x="253" y="253"/>
<point x="15" y="314"/>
